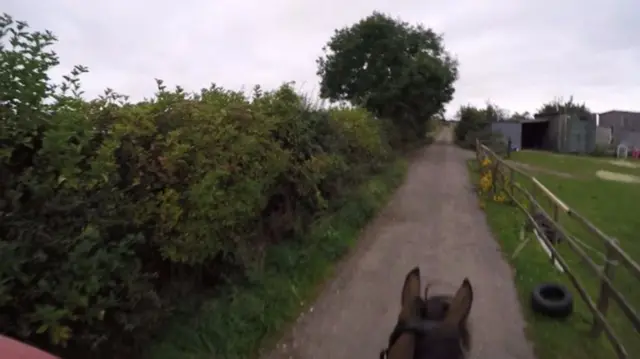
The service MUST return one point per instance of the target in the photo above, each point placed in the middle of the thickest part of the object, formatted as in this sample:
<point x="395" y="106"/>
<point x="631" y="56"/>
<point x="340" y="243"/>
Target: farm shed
<point x="557" y="132"/>
<point x="604" y="136"/>
<point x="523" y="134"/>
<point x="630" y="139"/>
<point x="621" y="123"/>
<point x="510" y="130"/>
<point x="571" y="133"/>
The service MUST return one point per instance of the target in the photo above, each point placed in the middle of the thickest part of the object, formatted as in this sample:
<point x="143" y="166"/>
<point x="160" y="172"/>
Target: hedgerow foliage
<point x="110" y="211"/>
<point x="475" y="123"/>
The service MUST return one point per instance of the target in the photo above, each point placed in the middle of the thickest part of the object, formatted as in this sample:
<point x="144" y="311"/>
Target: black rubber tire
<point x="552" y="299"/>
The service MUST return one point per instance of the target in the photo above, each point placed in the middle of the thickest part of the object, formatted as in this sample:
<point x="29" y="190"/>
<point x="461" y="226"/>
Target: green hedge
<point x="245" y="318"/>
<point x="113" y="212"/>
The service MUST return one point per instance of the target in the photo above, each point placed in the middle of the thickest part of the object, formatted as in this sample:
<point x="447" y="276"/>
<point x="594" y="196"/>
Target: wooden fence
<point x="504" y="180"/>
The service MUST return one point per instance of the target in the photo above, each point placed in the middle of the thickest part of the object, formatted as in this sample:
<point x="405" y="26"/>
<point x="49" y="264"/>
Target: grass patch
<point x="580" y="166"/>
<point x="552" y="339"/>
<point x="612" y="207"/>
<point x="238" y="323"/>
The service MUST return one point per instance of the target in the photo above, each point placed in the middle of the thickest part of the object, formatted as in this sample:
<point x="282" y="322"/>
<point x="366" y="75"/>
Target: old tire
<point x="552" y="299"/>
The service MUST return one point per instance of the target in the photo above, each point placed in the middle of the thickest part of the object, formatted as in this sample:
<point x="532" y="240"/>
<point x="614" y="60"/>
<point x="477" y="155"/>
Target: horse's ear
<point x="404" y="346"/>
<point x="426" y="292"/>
<point x="411" y="288"/>
<point x="460" y="305"/>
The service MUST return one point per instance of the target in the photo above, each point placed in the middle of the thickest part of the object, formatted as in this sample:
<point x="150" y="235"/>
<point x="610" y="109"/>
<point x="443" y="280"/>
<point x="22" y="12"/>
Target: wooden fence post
<point x="554" y="234"/>
<point x="556" y="218"/>
<point x="494" y="175"/>
<point x="605" y="290"/>
<point x="499" y="178"/>
<point x="511" y="192"/>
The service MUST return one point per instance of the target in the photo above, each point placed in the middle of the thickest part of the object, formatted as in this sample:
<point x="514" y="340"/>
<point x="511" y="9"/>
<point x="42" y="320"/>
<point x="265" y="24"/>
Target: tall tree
<point x="394" y="69"/>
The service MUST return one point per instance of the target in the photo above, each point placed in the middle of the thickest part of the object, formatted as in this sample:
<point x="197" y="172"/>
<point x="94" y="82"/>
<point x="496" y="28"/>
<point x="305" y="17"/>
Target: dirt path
<point x="433" y="221"/>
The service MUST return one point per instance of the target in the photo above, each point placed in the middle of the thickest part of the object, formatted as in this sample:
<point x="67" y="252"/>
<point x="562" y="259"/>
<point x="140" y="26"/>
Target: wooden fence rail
<point x="503" y="179"/>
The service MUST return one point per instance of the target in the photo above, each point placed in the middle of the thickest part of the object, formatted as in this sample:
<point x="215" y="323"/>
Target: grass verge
<point x="611" y="206"/>
<point x="552" y="339"/>
<point x="238" y="323"/>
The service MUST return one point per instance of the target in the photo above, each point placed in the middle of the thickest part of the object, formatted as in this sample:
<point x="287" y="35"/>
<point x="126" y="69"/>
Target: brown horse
<point x="430" y="327"/>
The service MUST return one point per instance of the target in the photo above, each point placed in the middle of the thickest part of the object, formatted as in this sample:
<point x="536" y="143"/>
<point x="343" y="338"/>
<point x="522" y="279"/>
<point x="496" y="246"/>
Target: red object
<point x="635" y="153"/>
<point x="13" y="349"/>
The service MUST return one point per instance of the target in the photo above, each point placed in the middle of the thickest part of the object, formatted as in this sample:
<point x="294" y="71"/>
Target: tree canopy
<point x="559" y="105"/>
<point x="471" y="120"/>
<point x="395" y="70"/>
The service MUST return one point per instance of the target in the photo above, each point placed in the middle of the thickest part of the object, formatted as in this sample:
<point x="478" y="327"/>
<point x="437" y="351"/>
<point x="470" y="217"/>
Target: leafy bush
<point x="495" y="141"/>
<point x="69" y="269"/>
<point x="470" y="120"/>
<point x="112" y="212"/>
<point x="604" y="151"/>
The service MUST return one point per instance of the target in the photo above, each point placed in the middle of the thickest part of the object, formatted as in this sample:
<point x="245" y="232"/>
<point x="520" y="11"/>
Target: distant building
<point x="624" y="125"/>
<point x="627" y="120"/>
<point x="604" y="136"/>
<point x="552" y="132"/>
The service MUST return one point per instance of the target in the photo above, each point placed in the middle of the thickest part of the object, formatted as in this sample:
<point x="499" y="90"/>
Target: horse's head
<point x="430" y="327"/>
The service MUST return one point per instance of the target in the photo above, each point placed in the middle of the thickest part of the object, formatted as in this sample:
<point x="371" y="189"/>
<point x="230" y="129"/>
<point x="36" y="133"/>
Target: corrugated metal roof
<point x="622" y="112"/>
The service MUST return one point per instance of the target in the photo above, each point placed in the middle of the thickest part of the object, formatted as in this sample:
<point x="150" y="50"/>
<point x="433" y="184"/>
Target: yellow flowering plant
<point x="486" y="183"/>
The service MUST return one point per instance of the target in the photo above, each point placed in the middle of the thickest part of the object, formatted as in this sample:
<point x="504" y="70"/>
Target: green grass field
<point x="614" y="207"/>
<point x="580" y="166"/>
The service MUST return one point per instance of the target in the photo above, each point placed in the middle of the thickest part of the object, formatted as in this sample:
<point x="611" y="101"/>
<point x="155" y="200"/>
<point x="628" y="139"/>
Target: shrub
<point x="487" y="187"/>
<point x="70" y="272"/>
<point x="604" y="151"/>
<point x="495" y="141"/>
<point x="114" y="212"/>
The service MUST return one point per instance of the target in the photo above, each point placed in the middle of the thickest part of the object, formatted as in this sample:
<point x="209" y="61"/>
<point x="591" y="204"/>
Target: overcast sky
<point x="518" y="54"/>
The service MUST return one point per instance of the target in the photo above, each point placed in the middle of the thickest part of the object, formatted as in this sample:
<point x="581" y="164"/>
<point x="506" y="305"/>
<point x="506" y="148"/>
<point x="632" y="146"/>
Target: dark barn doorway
<point x="534" y="134"/>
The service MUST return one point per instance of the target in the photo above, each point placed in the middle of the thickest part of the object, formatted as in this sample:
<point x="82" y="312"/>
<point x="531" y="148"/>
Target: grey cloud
<point x="517" y="54"/>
